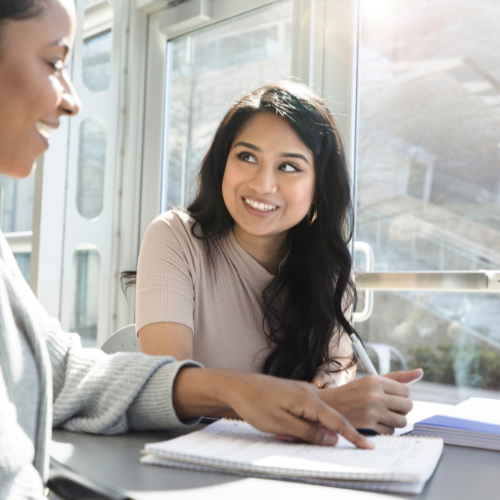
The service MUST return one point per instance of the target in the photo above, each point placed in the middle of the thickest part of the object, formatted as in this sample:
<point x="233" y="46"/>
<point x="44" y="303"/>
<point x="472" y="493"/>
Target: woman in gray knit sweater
<point x="46" y="378"/>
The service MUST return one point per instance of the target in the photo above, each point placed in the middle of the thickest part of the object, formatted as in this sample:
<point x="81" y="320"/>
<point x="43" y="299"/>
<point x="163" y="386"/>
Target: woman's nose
<point x="70" y="102"/>
<point x="263" y="181"/>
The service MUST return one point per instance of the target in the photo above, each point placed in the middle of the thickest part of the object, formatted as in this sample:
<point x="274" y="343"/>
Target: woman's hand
<point x="374" y="402"/>
<point x="287" y="408"/>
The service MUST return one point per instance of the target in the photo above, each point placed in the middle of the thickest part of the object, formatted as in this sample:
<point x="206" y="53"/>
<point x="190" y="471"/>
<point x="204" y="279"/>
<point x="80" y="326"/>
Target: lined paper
<point x="239" y="446"/>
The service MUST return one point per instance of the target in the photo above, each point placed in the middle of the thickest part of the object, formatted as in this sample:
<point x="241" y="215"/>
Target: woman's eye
<point x="247" y="157"/>
<point x="287" y="167"/>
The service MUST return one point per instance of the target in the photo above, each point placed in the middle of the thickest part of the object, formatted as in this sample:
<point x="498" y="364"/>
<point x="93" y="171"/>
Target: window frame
<point x="58" y="226"/>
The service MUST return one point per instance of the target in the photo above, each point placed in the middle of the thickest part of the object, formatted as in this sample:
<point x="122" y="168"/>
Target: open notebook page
<point x="237" y="445"/>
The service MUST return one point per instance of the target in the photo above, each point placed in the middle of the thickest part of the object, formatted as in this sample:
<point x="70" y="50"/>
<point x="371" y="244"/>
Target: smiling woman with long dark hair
<point x="306" y="303"/>
<point x="255" y="275"/>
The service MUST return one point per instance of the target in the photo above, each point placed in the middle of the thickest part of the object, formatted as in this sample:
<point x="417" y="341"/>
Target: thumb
<point x="406" y="377"/>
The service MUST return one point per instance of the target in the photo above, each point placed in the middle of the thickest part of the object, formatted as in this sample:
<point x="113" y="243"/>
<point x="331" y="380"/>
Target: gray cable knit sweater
<point x="48" y="380"/>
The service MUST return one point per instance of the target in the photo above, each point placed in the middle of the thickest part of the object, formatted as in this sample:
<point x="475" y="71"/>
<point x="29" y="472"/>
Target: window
<point x="210" y="69"/>
<point x="429" y="183"/>
<point x="97" y="44"/>
<point x="91" y="167"/>
<point x="16" y="218"/>
<point x="85" y="285"/>
<point x="89" y="243"/>
<point x="16" y="204"/>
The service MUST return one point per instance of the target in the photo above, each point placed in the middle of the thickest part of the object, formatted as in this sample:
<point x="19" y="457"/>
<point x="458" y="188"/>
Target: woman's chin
<point x="19" y="169"/>
<point x="19" y="162"/>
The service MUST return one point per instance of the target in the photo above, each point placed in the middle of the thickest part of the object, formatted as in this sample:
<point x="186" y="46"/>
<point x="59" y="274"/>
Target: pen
<point x="362" y="356"/>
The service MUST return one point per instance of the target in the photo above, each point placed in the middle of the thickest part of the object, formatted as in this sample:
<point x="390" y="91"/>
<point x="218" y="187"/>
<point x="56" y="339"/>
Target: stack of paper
<point x="397" y="464"/>
<point x="474" y="423"/>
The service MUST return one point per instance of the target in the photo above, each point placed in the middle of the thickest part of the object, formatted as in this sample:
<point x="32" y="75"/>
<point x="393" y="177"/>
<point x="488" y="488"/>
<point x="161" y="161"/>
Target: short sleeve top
<point x="224" y="310"/>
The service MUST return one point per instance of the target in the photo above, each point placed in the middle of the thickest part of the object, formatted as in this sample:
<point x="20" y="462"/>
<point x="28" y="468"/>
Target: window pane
<point x="454" y="337"/>
<point x="429" y="134"/>
<point x="97" y="44"/>
<point x="91" y="167"/>
<point x="85" y="294"/>
<point x="16" y="204"/>
<point x="24" y="261"/>
<point x="210" y="69"/>
<point x="429" y="182"/>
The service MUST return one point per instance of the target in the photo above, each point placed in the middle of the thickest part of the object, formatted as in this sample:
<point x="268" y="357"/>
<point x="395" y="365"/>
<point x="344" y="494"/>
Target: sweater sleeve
<point x="108" y="394"/>
<point x="165" y="281"/>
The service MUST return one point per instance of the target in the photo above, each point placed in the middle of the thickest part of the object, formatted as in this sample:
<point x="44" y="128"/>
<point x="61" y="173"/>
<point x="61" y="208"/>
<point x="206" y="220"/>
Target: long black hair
<point x="306" y="304"/>
<point x="21" y="9"/>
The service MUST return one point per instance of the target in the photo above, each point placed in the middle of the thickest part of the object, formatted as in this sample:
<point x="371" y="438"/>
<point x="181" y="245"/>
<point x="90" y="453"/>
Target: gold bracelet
<point x="318" y="384"/>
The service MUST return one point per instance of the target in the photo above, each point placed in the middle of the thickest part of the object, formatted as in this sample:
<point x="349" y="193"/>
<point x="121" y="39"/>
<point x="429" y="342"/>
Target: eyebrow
<point x="64" y="43"/>
<point x="282" y="155"/>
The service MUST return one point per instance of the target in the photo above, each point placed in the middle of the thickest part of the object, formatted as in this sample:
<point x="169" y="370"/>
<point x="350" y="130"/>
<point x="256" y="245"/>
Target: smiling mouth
<point x="44" y="129"/>
<point x="263" y="207"/>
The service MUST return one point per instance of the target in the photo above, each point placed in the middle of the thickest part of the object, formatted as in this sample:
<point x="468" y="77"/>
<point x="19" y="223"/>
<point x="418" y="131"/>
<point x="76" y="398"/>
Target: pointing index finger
<point x="336" y="422"/>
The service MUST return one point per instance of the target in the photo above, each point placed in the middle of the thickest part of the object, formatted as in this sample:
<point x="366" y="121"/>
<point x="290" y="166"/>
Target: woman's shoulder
<point x="176" y="219"/>
<point x="173" y="227"/>
<point x="173" y="221"/>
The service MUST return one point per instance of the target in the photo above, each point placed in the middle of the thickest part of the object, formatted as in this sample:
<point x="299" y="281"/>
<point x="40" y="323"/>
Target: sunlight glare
<point x="377" y="10"/>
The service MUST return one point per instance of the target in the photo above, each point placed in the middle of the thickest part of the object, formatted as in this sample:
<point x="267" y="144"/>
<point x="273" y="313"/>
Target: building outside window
<point x="429" y="183"/>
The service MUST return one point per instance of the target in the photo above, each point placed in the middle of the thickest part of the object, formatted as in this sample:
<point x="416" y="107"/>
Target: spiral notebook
<point x="397" y="464"/>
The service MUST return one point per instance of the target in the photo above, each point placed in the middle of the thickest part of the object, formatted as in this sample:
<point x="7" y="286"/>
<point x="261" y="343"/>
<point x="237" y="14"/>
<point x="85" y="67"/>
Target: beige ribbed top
<point x="175" y="284"/>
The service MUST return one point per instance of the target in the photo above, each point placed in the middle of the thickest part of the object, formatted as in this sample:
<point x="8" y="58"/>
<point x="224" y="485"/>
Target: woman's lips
<point x="44" y="130"/>
<point x="259" y="204"/>
<point x="258" y="211"/>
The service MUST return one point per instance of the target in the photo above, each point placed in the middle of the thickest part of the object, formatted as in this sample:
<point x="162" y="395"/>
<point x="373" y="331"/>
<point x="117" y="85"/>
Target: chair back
<point x="123" y="340"/>
<point x="383" y="352"/>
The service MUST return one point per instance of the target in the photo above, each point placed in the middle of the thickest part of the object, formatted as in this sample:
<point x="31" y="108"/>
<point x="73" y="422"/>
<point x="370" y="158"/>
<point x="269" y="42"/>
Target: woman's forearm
<point x="205" y="392"/>
<point x="287" y="408"/>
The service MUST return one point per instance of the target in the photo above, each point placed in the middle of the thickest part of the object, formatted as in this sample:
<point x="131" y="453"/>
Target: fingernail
<point x="418" y="378"/>
<point x="370" y="444"/>
<point x="329" y="439"/>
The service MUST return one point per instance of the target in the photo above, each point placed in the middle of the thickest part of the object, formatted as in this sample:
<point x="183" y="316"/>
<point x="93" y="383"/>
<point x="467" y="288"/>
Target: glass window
<point x="24" y="262"/>
<point x="85" y="294"/>
<point x="209" y="70"/>
<point x="97" y="44"/>
<point x="16" y="204"/>
<point x="443" y="333"/>
<point x="429" y="180"/>
<point x="91" y="167"/>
